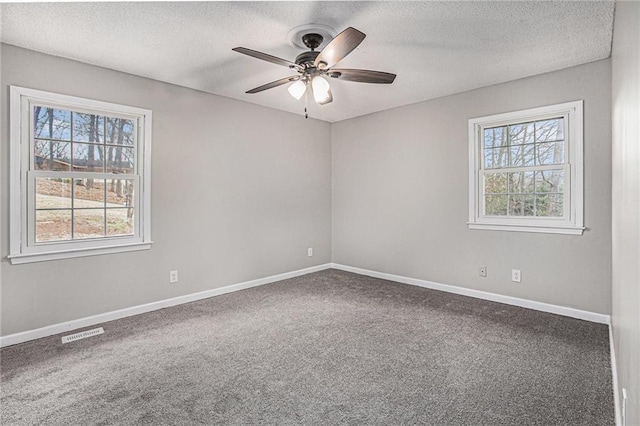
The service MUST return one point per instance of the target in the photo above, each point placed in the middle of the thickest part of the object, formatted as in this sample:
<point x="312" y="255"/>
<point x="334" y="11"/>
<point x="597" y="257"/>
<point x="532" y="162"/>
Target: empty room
<point x="320" y="213"/>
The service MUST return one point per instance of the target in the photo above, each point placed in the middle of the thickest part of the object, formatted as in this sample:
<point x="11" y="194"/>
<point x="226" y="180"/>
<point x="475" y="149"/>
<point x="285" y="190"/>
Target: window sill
<point x="18" y="259"/>
<point x="578" y="230"/>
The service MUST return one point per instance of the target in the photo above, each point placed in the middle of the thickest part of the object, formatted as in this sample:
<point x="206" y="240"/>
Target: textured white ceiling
<point x="435" y="48"/>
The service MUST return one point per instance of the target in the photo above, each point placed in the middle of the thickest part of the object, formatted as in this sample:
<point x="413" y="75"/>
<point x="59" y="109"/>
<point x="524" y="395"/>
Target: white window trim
<point x="573" y="223"/>
<point x="19" y="250"/>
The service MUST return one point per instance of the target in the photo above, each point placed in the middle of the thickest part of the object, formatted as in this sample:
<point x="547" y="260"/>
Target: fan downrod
<point x="312" y="41"/>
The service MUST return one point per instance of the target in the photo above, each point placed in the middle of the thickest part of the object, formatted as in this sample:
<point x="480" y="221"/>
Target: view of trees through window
<point x="78" y="201"/>
<point x="523" y="169"/>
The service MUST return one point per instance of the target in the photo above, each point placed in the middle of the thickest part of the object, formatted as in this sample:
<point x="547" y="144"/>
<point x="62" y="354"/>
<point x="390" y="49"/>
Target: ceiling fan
<point x="312" y="66"/>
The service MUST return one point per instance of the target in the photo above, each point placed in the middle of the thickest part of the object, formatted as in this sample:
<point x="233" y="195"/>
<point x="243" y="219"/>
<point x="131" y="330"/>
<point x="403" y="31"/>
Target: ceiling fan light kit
<point x="312" y="66"/>
<point x="297" y="89"/>
<point x="321" y="89"/>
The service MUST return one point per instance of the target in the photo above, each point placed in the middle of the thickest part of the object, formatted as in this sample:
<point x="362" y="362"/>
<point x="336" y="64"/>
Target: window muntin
<point x="67" y="208"/>
<point x="82" y="142"/>
<point x="80" y="176"/>
<point x="526" y="170"/>
<point x="82" y="173"/>
<point x="516" y="180"/>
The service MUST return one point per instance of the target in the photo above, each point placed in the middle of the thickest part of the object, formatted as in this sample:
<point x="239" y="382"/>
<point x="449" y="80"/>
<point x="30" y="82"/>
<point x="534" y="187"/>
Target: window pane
<point x="495" y="137"/>
<point x="521" y="133"/>
<point x="61" y="155"/>
<point x="542" y="205"/>
<point x="516" y="205"/>
<point x="53" y="225"/>
<point x="495" y="205"/>
<point x="529" y="203"/>
<point x="515" y="157"/>
<point x="88" y="128"/>
<point x="495" y="158"/>
<point x="516" y="182"/>
<point x="549" y="205"/>
<point x="88" y="223"/>
<point x="550" y="181"/>
<point x="88" y="193"/>
<point x="88" y="157"/>
<point x="489" y="158"/>
<point x="556" y="202"/>
<point x="500" y="136"/>
<point x="550" y="153"/>
<point x="528" y="155"/>
<point x="495" y="183"/>
<point x="120" y="159"/>
<point x="550" y="130"/>
<point x="53" y="193"/>
<point x="521" y="205"/>
<point x="120" y="131"/>
<point x="119" y="222"/>
<point x="119" y="193"/>
<point x="51" y="123"/>
<point x="488" y="138"/>
<point x="522" y="155"/>
<point x="529" y="184"/>
<point x="42" y="155"/>
<point x="521" y="182"/>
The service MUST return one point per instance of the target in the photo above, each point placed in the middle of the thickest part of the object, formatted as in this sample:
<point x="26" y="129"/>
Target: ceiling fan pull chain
<point x="306" y="103"/>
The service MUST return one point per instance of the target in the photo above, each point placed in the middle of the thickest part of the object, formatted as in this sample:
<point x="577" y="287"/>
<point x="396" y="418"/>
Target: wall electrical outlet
<point x="482" y="271"/>
<point x="310" y="251"/>
<point x="173" y="277"/>
<point x="516" y="277"/>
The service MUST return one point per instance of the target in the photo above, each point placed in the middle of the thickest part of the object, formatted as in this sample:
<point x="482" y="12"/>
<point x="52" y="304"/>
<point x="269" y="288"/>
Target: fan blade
<point x="339" y="47"/>
<point x="266" y="57"/>
<point x="275" y="84"/>
<point x="362" y="76"/>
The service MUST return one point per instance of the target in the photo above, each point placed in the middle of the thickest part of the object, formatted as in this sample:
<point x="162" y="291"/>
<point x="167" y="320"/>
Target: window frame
<point x="22" y="245"/>
<point x="572" y="222"/>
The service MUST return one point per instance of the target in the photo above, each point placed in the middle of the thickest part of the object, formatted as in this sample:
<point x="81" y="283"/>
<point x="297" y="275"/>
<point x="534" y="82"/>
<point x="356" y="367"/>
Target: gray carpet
<point x="326" y="348"/>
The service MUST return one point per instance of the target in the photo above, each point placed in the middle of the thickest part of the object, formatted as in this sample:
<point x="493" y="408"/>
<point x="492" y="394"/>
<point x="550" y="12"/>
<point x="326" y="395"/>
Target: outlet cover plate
<point x="516" y="275"/>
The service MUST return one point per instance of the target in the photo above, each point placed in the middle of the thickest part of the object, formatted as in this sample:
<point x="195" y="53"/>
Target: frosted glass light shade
<point x="320" y="89"/>
<point x="297" y="89"/>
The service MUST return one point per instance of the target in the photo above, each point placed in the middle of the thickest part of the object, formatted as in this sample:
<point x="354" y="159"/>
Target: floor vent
<point x="82" y="335"/>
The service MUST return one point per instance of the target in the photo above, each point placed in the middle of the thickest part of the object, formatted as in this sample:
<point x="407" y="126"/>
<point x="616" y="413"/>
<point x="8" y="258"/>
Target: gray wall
<point x="626" y="202"/>
<point x="238" y="192"/>
<point x="400" y="195"/>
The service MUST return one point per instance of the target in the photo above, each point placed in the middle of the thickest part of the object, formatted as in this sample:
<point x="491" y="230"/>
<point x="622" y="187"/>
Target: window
<point x="525" y="170"/>
<point x="79" y="177"/>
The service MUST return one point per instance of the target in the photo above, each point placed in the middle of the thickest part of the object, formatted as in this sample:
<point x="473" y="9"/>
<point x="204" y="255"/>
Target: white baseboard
<point x="50" y="330"/>
<point x="508" y="300"/>
<point x="614" y="372"/>
<point x="25" y="336"/>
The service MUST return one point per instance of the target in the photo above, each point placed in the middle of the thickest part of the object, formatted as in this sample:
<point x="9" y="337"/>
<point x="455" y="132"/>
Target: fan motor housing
<point x="307" y="58"/>
<point x="312" y="40"/>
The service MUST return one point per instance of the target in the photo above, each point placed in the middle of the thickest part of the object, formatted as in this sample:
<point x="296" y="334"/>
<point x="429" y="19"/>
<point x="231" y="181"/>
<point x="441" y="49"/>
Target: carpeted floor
<point x="326" y="348"/>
